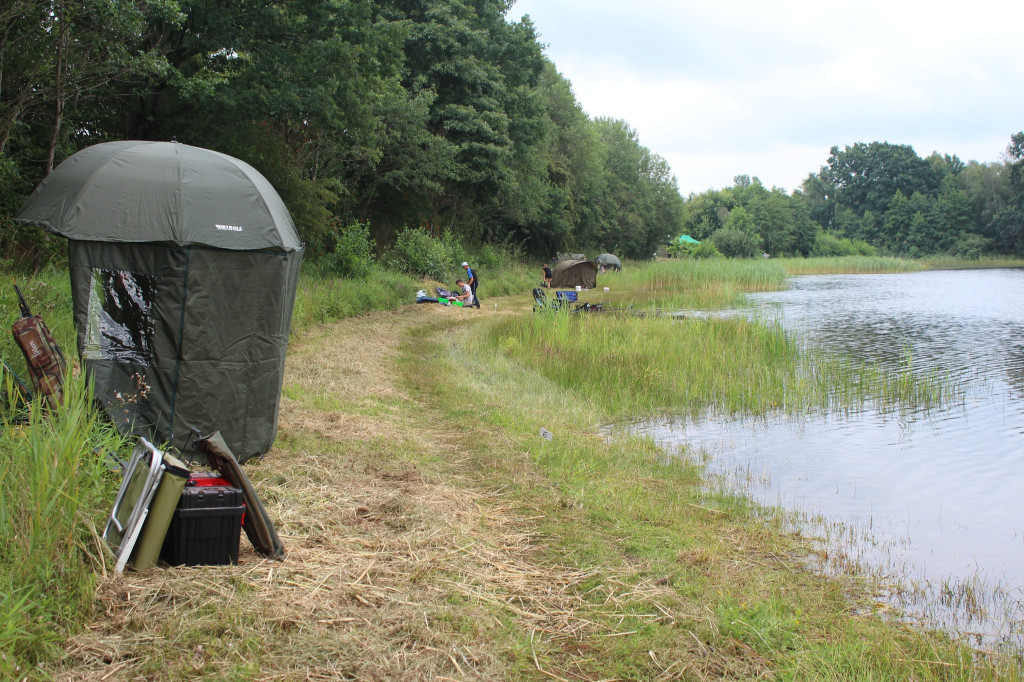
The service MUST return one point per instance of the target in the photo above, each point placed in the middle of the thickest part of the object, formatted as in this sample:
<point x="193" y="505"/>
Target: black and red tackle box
<point x="205" y="527"/>
<point x="205" y="479"/>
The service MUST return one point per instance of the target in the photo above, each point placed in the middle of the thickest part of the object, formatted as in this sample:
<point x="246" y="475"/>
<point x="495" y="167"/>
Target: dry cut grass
<point x="403" y="562"/>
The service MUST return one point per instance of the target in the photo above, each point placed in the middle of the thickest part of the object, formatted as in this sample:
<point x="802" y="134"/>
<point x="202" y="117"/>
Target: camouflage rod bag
<point x="46" y="364"/>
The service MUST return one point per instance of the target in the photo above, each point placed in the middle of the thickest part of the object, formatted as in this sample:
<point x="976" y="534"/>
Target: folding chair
<point x="145" y="492"/>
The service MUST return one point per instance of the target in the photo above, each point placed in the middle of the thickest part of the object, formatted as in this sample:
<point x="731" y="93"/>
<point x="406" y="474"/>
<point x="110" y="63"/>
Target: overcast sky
<point x="765" y="89"/>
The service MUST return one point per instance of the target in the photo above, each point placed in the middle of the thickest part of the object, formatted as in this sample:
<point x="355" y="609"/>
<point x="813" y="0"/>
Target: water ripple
<point x="940" y="490"/>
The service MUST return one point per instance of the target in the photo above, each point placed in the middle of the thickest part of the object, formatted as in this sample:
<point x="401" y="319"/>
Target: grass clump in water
<point x="683" y="283"/>
<point x="639" y="366"/>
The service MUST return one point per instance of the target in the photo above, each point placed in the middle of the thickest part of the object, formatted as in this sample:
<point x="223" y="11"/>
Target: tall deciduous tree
<point x="864" y="177"/>
<point x="1008" y="224"/>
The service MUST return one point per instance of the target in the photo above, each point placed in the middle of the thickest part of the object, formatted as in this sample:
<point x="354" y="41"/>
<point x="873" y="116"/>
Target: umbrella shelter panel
<point x="185" y="338"/>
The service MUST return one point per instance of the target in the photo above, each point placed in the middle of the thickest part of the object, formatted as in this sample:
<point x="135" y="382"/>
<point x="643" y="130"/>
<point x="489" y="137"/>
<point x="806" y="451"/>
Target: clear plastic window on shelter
<point x="120" y="325"/>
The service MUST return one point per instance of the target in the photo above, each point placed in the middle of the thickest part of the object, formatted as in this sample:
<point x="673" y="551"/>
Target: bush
<point x="735" y="244"/>
<point x="827" y="244"/>
<point x="706" y="249"/>
<point x="418" y="253"/>
<point x="353" y="251"/>
<point x="972" y="246"/>
<point x="492" y="258"/>
<point x="680" y="249"/>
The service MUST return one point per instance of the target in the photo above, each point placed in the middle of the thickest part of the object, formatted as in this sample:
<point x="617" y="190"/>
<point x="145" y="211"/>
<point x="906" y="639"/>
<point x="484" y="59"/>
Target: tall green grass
<point x="55" y="496"/>
<point x="322" y="297"/>
<point x="954" y="263"/>
<point x="681" y="283"/>
<point x="692" y="275"/>
<point x="636" y="366"/>
<point x="848" y="265"/>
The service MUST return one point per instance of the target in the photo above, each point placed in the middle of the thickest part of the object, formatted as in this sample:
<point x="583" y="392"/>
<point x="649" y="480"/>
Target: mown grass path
<point x="432" y="535"/>
<point x="405" y="560"/>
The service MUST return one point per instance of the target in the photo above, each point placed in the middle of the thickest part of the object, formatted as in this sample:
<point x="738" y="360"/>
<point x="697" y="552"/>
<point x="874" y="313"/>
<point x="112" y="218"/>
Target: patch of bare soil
<point x="392" y="571"/>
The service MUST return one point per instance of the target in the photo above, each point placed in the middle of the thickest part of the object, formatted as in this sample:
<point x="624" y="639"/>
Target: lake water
<point x="932" y="498"/>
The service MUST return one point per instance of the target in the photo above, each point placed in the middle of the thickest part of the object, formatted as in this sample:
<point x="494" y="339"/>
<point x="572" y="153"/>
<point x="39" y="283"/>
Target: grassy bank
<point x="56" y="490"/>
<point x="431" y="532"/>
<point x="686" y="581"/>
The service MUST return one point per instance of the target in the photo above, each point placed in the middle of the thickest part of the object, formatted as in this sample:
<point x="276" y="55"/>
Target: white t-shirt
<point x="466" y="289"/>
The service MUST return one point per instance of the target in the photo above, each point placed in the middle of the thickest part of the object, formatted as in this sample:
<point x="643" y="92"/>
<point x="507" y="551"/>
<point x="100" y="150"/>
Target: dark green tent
<point x="609" y="261"/>
<point x="575" y="273"/>
<point x="184" y="265"/>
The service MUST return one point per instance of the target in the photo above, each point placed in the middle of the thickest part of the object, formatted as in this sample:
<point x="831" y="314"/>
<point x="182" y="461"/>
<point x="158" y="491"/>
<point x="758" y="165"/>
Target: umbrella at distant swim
<point x="609" y="261"/>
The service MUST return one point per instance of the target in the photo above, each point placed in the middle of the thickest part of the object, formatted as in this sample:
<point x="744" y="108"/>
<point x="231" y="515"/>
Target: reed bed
<point x="849" y="265"/>
<point x="953" y="263"/>
<point x="639" y="366"/>
<point x="677" y="274"/>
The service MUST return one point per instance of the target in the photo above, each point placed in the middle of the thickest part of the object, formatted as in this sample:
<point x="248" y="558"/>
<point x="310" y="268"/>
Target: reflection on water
<point x="937" y="494"/>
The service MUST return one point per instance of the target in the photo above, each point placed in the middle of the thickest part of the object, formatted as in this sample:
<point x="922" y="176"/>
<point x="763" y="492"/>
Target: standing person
<point x="472" y="280"/>
<point x="548" y="276"/>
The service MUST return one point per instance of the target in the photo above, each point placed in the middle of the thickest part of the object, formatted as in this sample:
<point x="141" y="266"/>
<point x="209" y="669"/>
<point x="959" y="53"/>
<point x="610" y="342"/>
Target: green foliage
<point x="887" y="196"/>
<point x="1008" y="224"/>
<point x="493" y="257"/>
<point x="972" y="246"/>
<point x="779" y="223"/>
<point x="324" y="297"/>
<point x="735" y="243"/>
<point x="865" y="176"/>
<point x="640" y="204"/>
<point x="827" y="244"/>
<point x="417" y="252"/>
<point x="678" y="249"/>
<point x="706" y="249"/>
<point x="353" y="251"/>
<point x="740" y="221"/>
<point x="439" y="115"/>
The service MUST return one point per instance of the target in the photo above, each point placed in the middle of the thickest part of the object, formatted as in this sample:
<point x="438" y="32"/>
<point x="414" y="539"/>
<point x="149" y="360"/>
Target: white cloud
<point x="765" y="89"/>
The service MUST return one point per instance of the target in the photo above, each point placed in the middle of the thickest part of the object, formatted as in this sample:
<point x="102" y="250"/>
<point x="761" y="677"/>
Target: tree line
<point x="438" y="115"/>
<point x="375" y="117"/>
<point x="873" y="198"/>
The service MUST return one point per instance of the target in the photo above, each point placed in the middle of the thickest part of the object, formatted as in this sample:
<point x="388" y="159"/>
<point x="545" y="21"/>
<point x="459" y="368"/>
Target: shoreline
<point x="432" y="533"/>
